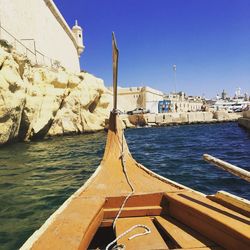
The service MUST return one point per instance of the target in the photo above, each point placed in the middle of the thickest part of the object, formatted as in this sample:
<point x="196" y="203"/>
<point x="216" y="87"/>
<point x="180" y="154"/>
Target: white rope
<point x="147" y="229"/>
<point x="128" y="181"/>
<point x="121" y="246"/>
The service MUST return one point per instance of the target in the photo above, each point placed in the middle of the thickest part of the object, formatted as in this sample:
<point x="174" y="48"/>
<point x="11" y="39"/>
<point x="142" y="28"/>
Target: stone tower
<point x="77" y="31"/>
<point x="223" y="95"/>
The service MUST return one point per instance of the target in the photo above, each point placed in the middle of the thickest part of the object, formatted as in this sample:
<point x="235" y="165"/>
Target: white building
<point x="179" y="102"/>
<point x="37" y="29"/>
<point x="138" y="97"/>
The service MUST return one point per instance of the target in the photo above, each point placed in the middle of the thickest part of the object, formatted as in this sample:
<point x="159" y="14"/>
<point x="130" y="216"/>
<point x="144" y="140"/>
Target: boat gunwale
<point x="38" y="233"/>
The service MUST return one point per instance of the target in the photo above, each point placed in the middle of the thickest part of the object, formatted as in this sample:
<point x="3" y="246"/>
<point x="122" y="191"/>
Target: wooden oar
<point x="242" y="173"/>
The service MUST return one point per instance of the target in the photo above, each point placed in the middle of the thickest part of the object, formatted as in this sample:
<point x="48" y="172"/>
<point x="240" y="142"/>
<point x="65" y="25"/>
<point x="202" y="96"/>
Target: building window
<point x="80" y="35"/>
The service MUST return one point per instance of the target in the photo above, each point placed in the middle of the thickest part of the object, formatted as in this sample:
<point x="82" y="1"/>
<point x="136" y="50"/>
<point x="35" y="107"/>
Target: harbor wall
<point x="245" y="120"/>
<point x="182" y="118"/>
<point x="39" y="26"/>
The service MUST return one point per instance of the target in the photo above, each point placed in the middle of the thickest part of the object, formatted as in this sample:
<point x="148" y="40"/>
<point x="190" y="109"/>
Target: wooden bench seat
<point x="184" y="237"/>
<point x="145" y="242"/>
<point x="226" y="227"/>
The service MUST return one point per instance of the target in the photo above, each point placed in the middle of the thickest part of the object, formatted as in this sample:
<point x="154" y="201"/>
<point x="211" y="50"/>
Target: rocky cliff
<point x="36" y="101"/>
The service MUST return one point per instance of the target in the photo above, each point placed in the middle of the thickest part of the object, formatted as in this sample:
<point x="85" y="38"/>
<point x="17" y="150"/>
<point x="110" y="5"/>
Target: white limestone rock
<point x="12" y="97"/>
<point x="36" y="102"/>
<point x="84" y="109"/>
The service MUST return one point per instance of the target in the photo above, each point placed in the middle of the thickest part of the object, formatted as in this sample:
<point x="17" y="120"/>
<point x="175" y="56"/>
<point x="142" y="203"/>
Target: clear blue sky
<point x="208" y="40"/>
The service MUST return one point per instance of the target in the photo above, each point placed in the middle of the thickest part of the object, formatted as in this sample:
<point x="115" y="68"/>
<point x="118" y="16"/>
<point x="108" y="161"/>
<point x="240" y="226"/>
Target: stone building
<point x="37" y="29"/>
<point x="180" y="102"/>
<point x="139" y="97"/>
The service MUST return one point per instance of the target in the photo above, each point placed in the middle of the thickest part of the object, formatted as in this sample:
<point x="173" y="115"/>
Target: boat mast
<point x="115" y="54"/>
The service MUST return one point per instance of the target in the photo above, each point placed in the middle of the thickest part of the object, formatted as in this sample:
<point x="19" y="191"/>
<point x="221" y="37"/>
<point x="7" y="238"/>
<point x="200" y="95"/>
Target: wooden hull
<point x="178" y="217"/>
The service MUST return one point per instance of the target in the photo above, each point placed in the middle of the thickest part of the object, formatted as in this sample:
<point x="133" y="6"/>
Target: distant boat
<point x="125" y="205"/>
<point x="234" y="105"/>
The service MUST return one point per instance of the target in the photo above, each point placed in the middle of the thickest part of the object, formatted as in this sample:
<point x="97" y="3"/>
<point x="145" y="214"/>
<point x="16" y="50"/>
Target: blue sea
<point x="37" y="177"/>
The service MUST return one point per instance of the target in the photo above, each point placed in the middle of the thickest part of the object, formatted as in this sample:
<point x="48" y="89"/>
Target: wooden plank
<point x="181" y="234"/>
<point x="221" y="225"/>
<point x="201" y="248"/>
<point x="111" y="213"/>
<point x="231" y="201"/>
<point x="140" y="200"/>
<point x="242" y="173"/>
<point x="107" y="223"/>
<point x="145" y="242"/>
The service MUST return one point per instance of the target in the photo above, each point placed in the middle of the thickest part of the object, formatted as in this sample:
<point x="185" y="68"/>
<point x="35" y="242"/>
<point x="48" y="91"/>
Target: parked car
<point x="238" y="110"/>
<point x="138" y="111"/>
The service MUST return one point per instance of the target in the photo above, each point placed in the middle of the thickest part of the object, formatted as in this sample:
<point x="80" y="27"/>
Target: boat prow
<point x="126" y="205"/>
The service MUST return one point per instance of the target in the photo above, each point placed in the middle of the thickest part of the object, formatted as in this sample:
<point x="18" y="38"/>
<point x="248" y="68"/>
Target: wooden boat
<point x="129" y="206"/>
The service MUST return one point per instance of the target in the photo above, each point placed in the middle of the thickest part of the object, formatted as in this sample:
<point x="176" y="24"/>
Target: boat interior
<point x="178" y="220"/>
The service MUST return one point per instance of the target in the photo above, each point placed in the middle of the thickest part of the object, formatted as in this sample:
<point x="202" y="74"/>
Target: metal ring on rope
<point x="147" y="231"/>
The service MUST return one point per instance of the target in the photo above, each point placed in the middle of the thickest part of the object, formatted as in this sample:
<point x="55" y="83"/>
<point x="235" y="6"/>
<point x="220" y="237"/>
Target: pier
<point x="169" y="119"/>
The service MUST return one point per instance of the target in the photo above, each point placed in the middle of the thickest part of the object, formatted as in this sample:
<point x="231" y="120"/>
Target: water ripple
<point x="176" y="153"/>
<point x="36" y="178"/>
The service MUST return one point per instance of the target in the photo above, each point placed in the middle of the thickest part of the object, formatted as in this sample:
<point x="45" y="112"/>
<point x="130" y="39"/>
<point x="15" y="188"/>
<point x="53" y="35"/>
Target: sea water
<point x="37" y="177"/>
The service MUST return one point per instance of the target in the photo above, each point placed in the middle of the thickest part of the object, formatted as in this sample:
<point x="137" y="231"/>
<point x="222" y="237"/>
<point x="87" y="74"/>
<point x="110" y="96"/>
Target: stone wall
<point x="245" y="120"/>
<point x="163" y="119"/>
<point x="129" y="98"/>
<point x="139" y="97"/>
<point x="246" y="114"/>
<point x="181" y="117"/>
<point x="33" y="19"/>
<point x="151" y="99"/>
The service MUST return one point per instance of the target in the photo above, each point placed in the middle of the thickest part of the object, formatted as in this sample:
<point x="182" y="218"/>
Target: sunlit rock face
<point x="36" y="101"/>
<point x="12" y="97"/>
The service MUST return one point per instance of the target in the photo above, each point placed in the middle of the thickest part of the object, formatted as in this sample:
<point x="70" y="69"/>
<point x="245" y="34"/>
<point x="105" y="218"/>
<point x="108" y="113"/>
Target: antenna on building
<point x="174" y="70"/>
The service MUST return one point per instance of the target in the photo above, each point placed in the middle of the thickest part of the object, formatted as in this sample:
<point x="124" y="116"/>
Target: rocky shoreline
<point x="37" y="101"/>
